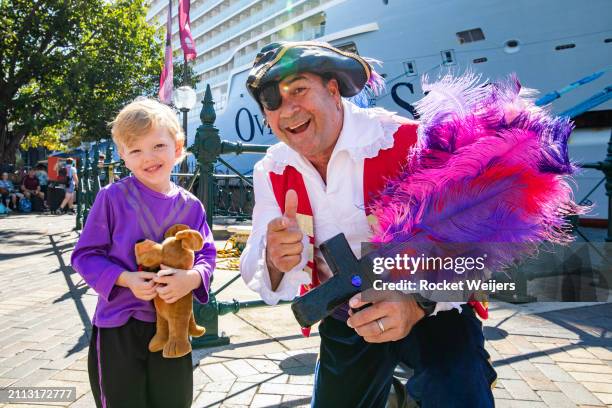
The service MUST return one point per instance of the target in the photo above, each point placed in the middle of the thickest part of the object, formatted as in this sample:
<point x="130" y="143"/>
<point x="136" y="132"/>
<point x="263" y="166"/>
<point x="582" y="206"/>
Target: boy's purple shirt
<point x="122" y="214"/>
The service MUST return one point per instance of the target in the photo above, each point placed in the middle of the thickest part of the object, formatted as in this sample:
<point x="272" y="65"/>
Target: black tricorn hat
<point x="278" y="60"/>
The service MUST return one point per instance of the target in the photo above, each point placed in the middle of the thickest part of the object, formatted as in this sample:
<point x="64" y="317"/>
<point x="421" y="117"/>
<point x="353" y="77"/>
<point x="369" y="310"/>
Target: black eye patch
<point x="270" y="96"/>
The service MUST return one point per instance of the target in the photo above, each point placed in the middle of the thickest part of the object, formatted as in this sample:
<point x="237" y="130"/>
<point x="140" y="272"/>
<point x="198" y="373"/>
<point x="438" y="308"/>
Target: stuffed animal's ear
<point x="148" y="253"/>
<point x="174" y="229"/>
<point x="190" y="239"/>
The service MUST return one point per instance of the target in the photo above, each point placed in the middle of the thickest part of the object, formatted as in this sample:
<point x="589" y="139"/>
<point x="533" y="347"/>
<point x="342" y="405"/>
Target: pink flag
<point x="167" y="76"/>
<point x="185" y="31"/>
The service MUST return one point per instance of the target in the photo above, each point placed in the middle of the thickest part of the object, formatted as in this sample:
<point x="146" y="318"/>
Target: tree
<point x="71" y="62"/>
<point x="179" y="68"/>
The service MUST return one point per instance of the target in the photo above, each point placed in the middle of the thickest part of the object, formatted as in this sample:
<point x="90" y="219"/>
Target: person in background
<point x="30" y="186"/>
<point x="102" y="170"/>
<point x="72" y="181"/>
<point x="43" y="179"/>
<point x="9" y="194"/>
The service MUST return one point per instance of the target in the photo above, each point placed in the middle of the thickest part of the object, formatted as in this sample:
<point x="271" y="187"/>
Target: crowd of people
<point x="27" y="189"/>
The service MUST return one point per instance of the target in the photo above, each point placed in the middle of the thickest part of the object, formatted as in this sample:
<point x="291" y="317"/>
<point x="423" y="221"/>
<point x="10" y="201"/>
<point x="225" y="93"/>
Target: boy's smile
<point x="151" y="158"/>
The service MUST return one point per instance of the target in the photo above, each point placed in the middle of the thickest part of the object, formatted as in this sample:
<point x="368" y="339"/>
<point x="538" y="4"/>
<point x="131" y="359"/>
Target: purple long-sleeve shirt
<point x="122" y="214"/>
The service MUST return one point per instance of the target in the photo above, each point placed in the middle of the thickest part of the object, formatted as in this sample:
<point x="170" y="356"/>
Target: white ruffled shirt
<point x="338" y="206"/>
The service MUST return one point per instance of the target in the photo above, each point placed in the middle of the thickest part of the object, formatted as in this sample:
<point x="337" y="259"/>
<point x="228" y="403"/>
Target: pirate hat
<point x="276" y="61"/>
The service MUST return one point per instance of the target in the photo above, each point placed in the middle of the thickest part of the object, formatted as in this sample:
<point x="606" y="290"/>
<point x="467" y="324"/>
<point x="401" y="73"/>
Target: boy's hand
<point x="140" y="283"/>
<point x="176" y="283"/>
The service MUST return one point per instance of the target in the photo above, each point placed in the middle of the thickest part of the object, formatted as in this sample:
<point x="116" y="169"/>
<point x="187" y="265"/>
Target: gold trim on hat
<point x="266" y="67"/>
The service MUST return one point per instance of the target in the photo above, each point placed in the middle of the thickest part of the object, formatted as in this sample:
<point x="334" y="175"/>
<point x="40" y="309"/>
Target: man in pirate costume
<point x="332" y="160"/>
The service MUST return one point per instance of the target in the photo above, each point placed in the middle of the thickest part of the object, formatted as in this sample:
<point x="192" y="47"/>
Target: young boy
<point x="122" y="371"/>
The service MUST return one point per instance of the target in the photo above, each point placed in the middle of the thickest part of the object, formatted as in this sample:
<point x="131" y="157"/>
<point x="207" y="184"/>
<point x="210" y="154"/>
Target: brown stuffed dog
<point x="175" y="321"/>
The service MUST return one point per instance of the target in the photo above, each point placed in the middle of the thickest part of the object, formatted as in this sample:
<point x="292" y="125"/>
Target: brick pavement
<point x="560" y="358"/>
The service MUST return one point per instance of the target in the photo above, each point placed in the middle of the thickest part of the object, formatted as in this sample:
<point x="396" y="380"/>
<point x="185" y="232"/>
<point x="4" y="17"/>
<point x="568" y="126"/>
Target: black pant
<point x="133" y="377"/>
<point x="446" y="351"/>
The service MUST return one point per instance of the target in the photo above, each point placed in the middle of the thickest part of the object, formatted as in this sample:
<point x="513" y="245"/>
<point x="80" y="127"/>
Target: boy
<point x="122" y="371"/>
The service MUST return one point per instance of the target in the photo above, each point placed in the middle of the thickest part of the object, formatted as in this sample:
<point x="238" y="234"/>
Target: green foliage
<point x="179" y="74"/>
<point x="71" y="61"/>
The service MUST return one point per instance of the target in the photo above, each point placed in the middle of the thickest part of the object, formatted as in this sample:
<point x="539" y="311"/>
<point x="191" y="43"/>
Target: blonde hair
<point x="137" y="118"/>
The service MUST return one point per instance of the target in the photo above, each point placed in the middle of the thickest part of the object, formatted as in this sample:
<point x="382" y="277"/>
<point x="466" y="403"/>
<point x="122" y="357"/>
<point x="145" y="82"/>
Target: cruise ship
<point x="549" y="44"/>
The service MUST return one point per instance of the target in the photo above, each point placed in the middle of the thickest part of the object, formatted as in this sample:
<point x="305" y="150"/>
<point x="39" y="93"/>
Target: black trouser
<point x="133" y="377"/>
<point x="446" y="351"/>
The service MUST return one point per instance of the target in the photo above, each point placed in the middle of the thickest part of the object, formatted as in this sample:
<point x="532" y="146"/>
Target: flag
<point x="166" y="80"/>
<point x="185" y="31"/>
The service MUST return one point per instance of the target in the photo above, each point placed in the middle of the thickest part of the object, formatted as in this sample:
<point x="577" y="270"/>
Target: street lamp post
<point x="184" y="100"/>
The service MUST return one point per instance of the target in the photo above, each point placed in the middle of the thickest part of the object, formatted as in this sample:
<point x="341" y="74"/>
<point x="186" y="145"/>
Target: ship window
<point x="348" y="47"/>
<point x="448" y="57"/>
<point x="511" y="46"/>
<point x="479" y="60"/>
<point x="564" y="47"/>
<point x="410" y="68"/>
<point x="469" y="36"/>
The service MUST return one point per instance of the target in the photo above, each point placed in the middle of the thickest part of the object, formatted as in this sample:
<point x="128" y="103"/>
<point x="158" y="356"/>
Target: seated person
<point x="43" y="178"/>
<point x="30" y="186"/>
<point x="7" y="190"/>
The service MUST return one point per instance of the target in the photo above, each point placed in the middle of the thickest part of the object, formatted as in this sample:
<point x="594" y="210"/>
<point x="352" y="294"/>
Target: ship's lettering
<point x="402" y="103"/>
<point x="246" y="129"/>
<point x="251" y="132"/>
<point x="261" y="125"/>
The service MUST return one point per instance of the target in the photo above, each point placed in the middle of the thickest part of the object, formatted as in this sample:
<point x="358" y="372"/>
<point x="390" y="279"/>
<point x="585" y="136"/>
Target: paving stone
<point x="556" y="399"/>
<point x="5" y="382"/>
<point x="604" y="397"/>
<point x="554" y="373"/>
<point x="294" y="401"/>
<point x="24" y="369"/>
<point x="301" y="379"/>
<point x="586" y="368"/>
<point x="72" y="376"/>
<point x="209" y="399"/>
<point x="579" y="352"/>
<point x="505" y="347"/>
<point x="520" y="390"/>
<point x="240" y="394"/>
<point x="505" y="403"/>
<point x="86" y="401"/>
<point x="501" y="393"/>
<point x="593" y="377"/>
<point x="598" y="387"/>
<point x="537" y="380"/>
<point x="200" y="379"/>
<point x="506" y="372"/>
<point x="219" y="386"/>
<point x="34" y="378"/>
<point x="240" y="368"/>
<point x="17" y="347"/>
<point x="259" y="378"/>
<point x="578" y="393"/>
<point x="217" y="372"/>
<point x="265" y="366"/>
<point x="285" y="389"/>
<point x="601" y="353"/>
<point x="266" y="400"/>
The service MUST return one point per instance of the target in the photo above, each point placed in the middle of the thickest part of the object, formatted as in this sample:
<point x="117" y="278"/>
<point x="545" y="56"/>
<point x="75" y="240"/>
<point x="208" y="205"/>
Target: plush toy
<point x="175" y="321"/>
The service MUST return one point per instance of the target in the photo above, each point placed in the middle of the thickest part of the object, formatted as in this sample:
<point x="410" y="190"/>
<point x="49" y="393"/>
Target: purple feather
<point x="489" y="167"/>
